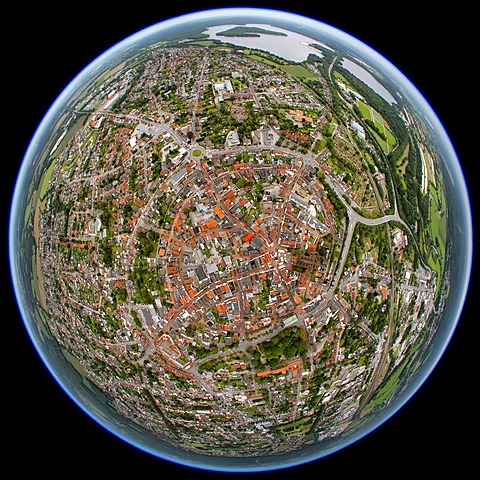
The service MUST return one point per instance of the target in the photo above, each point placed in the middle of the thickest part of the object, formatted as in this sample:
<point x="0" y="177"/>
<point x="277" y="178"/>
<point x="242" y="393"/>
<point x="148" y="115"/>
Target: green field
<point x="385" y="392"/>
<point x="297" y="427"/>
<point x="438" y="231"/>
<point x="401" y="165"/>
<point x="439" y="219"/>
<point x="392" y="380"/>
<point x="205" y="43"/>
<point x="372" y="115"/>
<point x="46" y="180"/>
<point x="296" y="70"/>
<point x="340" y="77"/>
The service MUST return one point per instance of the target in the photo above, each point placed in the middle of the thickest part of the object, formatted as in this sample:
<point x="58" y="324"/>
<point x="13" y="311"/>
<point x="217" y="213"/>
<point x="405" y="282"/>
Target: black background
<point x="45" y="49"/>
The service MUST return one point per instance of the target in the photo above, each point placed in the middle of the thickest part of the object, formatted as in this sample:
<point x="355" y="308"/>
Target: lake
<point x="368" y="78"/>
<point x="291" y="47"/>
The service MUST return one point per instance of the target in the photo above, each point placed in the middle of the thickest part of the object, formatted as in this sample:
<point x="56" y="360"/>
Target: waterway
<point x="293" y="46"/>
<point x="368" y="78"/>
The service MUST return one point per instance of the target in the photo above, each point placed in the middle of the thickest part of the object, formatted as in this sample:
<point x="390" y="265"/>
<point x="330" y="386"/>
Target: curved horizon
<point x="150" y="35"/>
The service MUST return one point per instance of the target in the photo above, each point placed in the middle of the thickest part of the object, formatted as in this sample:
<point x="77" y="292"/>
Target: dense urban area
<point x="236" y="248"/>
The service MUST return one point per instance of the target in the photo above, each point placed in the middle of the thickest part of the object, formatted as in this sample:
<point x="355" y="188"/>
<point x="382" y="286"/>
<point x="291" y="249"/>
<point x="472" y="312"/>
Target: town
<point x="224" y="253"/>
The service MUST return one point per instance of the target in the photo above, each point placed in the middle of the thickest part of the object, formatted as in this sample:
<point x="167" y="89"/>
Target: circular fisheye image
<point x="240" y="240"/>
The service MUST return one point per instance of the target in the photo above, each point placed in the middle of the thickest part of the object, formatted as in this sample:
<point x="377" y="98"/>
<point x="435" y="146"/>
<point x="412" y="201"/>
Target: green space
<point x="390" y="119"/>
<point x="354" y="340"/>
<point x="377" y="127"/>
<point x="339" y="212"/>
<point x="44" y="184"/>
<point x="298" y="71"/>
<point x="417" y="206"/>
<point x="295" y="69"/>
<point x="386" y="390"/>
<point x="69" y="164"/>
<point x="413" y="205"/>
<point x="340" y="77"/>
<point x="205" y="43"/>
<point x="318" y="146"/>
<point x="401" y="164"/>
<point x="374" y="240"/>
<point x="28" y="210"/>
<point x="264" y="295"/>
<point x="297" y="427"/>
<point x="392" y="379"/>
<point x="226" y="362"/>
<point x="265" y="59"/>
<point x="289" y="343"/>
<point x="438" y="216"/>
<point x="196" y="152"/>
<point x="435" y="238"/>
<point x="79" y="123"/>
<point x="145" y="280"/>
<point x="218" y="121"/>
<point x="147" y="243"/>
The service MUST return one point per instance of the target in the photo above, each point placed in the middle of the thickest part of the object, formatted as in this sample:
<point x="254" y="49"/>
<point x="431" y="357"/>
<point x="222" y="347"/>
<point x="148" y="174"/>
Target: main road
<point x="353" y="219"/>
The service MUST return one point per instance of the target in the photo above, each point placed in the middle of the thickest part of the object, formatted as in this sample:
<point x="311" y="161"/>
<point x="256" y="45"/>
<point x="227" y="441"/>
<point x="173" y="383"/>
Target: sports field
<point x="371" y="114"/>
